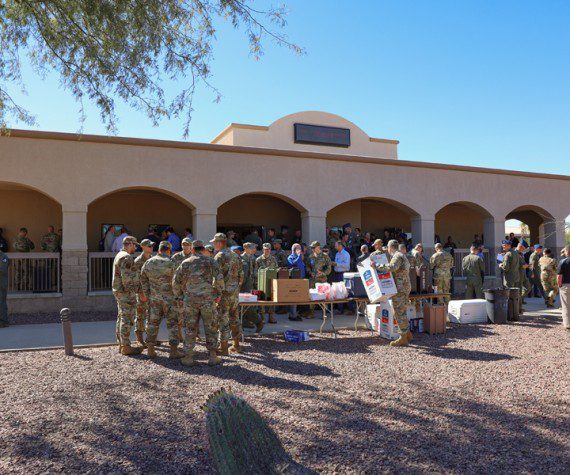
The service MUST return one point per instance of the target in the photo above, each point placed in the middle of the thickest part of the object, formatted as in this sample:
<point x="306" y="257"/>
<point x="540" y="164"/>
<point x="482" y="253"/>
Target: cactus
<point x="241" y="442"/>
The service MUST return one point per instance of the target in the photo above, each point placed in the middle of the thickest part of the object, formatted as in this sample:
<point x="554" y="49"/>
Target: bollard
<point x="66" y="326"/>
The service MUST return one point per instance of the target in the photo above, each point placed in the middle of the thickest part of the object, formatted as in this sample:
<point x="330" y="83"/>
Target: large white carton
<point x="379" y="287"/>
<point x="373" y="315"/>
<point x="388" y="325"/>
<point x="467" y="311"/>
<point x="411" y="312"/>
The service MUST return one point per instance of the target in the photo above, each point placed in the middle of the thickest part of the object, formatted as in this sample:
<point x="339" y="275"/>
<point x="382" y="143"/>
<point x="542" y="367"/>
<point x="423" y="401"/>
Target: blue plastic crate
<point x="296" y="336"/>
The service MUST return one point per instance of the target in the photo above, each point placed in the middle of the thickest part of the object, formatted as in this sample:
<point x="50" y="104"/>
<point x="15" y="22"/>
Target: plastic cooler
<point x="497" y="305"/>
<point x="467" y="311"/>
<point x="296" y="336"/>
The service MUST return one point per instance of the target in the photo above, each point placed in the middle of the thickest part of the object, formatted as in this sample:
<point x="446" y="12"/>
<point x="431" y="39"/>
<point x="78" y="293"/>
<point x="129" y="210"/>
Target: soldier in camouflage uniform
<point x="523" y="279"/>
<point x="156" y="283"/>
<point x="280" y="255"/>
<point x="126" y="285"/>
<point x="228" y="309"/>
<point x="50" y="242"/>
<point x="378" y="244"/>
<point x="474" y="270"/>
<point x="4" y="264"/>
<point x="535" y="272"/>
<point x="399" y="266"/>
<point x="231" y="242"/>
<point x="319" y="266"/>
<point x="22" y="243"/>
<point x="251" y="318"/>
<point x="142" y="307"/>
<point x="178" y="258"/>
<point x="441" y="263"/>
<point x="209" y="250"/>
<point x="199" y="282"/>
<point x="548" y="276"/>
<point x="267" y="261"/>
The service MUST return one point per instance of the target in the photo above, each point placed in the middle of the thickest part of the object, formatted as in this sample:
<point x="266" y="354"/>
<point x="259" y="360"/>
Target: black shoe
<point x="296" y="319"/>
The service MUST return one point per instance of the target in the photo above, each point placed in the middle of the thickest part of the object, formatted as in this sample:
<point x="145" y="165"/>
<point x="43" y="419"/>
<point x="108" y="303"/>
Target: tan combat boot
<point x="410" y="336"/>
<point x="236" y="348"/>
<point x="174" y="353"/>
<point x="223" y="350"/>
<point x="188" y="360"/>
<point x="214" y="359"/>
<point x="128" y="350"/>
<point x="151" y="352"/>
<point x="259" y="326"/>
<point x="404" y="339"/>
<point x="140" y="339"/>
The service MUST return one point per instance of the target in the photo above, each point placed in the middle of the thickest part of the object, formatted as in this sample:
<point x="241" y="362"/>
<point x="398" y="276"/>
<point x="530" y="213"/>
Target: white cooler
<point x="468" y="311"/>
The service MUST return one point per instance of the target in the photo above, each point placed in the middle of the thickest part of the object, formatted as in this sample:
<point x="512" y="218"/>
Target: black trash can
<point x="497" y="305"/>
<point x="514" y="303"/>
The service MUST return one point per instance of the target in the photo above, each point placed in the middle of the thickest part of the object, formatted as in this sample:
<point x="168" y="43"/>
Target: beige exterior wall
<point x="461" y="223"/>
<point x="29" y="209"/>
<point x="197" y="180"/>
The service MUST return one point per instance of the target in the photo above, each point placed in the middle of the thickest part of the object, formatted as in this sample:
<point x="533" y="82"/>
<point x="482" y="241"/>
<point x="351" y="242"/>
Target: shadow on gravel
<point x="457" y="435"/>
<point x="539" y="321"/>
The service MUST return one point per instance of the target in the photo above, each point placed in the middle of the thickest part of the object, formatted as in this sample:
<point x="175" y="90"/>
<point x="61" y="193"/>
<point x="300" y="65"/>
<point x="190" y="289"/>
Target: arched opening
<point x="260" y="211"/>
<point x="373" y="215"/>
<point x="464" y="222"/>
<point x="136" y="209"/>
<point x="23" y="206"/>
<point x="531" y="223"/>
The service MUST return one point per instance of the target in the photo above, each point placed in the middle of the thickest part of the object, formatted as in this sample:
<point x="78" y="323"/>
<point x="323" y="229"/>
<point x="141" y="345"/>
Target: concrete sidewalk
<point x="99" y="333"/>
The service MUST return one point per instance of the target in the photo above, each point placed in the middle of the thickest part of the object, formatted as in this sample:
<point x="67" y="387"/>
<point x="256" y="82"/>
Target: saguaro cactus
<point x="242" y="442"/>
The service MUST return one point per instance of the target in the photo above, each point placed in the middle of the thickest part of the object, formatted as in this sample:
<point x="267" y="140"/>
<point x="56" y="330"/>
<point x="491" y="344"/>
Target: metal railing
<point x="101" y="271"/>
<point x="34" y="273"/>
<point x="461" y="253"/>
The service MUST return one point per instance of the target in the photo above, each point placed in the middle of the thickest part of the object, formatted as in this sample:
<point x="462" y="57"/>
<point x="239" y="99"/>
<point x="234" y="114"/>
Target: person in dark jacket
<point x="3" y="242"/>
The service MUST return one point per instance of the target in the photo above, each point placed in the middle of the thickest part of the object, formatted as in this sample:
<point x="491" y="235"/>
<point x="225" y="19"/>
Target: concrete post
<point x="204" y="224"/>
<point x="493" y="234"/>
<point x="74" y="269"/>
<point x="554" y="235"/>
<point x="65" y="315"/>
<point x="423" y="230"/>
<point x="313" y="228"/>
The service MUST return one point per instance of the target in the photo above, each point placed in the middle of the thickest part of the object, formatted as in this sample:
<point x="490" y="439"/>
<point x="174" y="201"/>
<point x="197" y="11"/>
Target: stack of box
<point x="468" y="311"/>
<point x="246" y="297"/>
<point x="380" y="318"/>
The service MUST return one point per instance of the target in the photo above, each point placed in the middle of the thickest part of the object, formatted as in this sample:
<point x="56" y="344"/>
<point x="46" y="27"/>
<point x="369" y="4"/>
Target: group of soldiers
<point x="542" y="266"/>
<point x="197" y="283"/>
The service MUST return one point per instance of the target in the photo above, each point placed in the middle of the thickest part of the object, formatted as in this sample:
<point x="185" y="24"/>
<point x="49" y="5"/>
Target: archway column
<point x="313" y="227"/>
<point x="493" y="234"/>
<point x="554" y="234"/>
<point x="204" y="224"/>
<point x="74" y="268"/>
<point x="423" y="230"/>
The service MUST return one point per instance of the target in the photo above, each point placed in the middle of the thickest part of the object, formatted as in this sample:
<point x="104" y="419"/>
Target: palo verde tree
<point x="102" y="50"/>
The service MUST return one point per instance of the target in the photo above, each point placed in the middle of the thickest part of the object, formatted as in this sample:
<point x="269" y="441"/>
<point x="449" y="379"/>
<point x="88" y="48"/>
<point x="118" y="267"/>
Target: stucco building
<point x="308" y="170"/>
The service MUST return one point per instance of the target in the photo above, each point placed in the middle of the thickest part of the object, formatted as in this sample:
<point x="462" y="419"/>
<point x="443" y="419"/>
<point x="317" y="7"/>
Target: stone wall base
<point x="45" y="304"/>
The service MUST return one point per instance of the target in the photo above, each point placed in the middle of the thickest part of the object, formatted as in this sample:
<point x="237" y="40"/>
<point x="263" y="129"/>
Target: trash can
<point x="497" y="305"/>
<point x="514" y="304"/>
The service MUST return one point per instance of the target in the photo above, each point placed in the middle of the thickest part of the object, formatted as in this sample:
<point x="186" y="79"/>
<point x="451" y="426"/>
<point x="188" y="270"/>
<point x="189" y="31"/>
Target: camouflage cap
<point x="187" y="240"/>
<point x="266" y="245"/>
<point x="277" y="241"/>
<point x="164" y="244"/>
<point x="249" y="245"/>
<point x="378" y="242"/>
<point x="219" y="237"/>
<point x="315" y="244"/>
<point x="129" y="240"/>
<point x="147" y="243"/>
<point x="393" y="243"/>
<point x="230" y="232"/>
<point x="209" y="248"/>
<point x="197" y="243"/>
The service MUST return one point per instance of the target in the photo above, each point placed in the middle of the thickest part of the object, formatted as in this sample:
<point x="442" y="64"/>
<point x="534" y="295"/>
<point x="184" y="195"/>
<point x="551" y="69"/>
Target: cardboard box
<point x="290" y="290"/>
<point x="388" y="325"/>
<point x="247" y="297"/>
<point x="373" y="316"/>
<point x="435" y="318"/>
<point x="379" y="287"/>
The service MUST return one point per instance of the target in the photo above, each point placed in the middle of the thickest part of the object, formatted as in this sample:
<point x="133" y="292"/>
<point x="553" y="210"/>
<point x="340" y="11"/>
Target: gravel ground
<point x="53" y="317"/>
<point x="482" y="399"/>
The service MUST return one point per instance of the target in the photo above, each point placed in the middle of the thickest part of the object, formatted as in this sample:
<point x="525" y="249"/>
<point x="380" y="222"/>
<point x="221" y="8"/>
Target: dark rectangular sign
<point x="322" y="135"/>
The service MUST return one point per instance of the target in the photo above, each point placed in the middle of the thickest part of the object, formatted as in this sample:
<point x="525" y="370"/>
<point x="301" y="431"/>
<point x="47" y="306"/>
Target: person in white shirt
<point x="118" y="242"/>
<point x="341" y="265"/>
<point x="109" y="239"/>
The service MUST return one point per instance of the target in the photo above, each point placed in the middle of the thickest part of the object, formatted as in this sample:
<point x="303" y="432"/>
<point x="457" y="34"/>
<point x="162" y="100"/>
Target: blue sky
<point x="472" y="82"/>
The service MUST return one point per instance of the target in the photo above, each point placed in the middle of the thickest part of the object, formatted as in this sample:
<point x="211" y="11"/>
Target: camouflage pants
<point x="443" y="285"/>
<point x="127" y="308"/>
<point x="159" y="309"/>
<point x="228" y="309"/>
<point x="550" y="285"/>
<point x="251" y="314"/>
<point x="23" y="275"/>
<point x="524" y="286"/>
<point x="193" y="313"/>
<point x="400" y="302"/>
<point x="142" y="314"/>
<point x="473" y="290"/>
